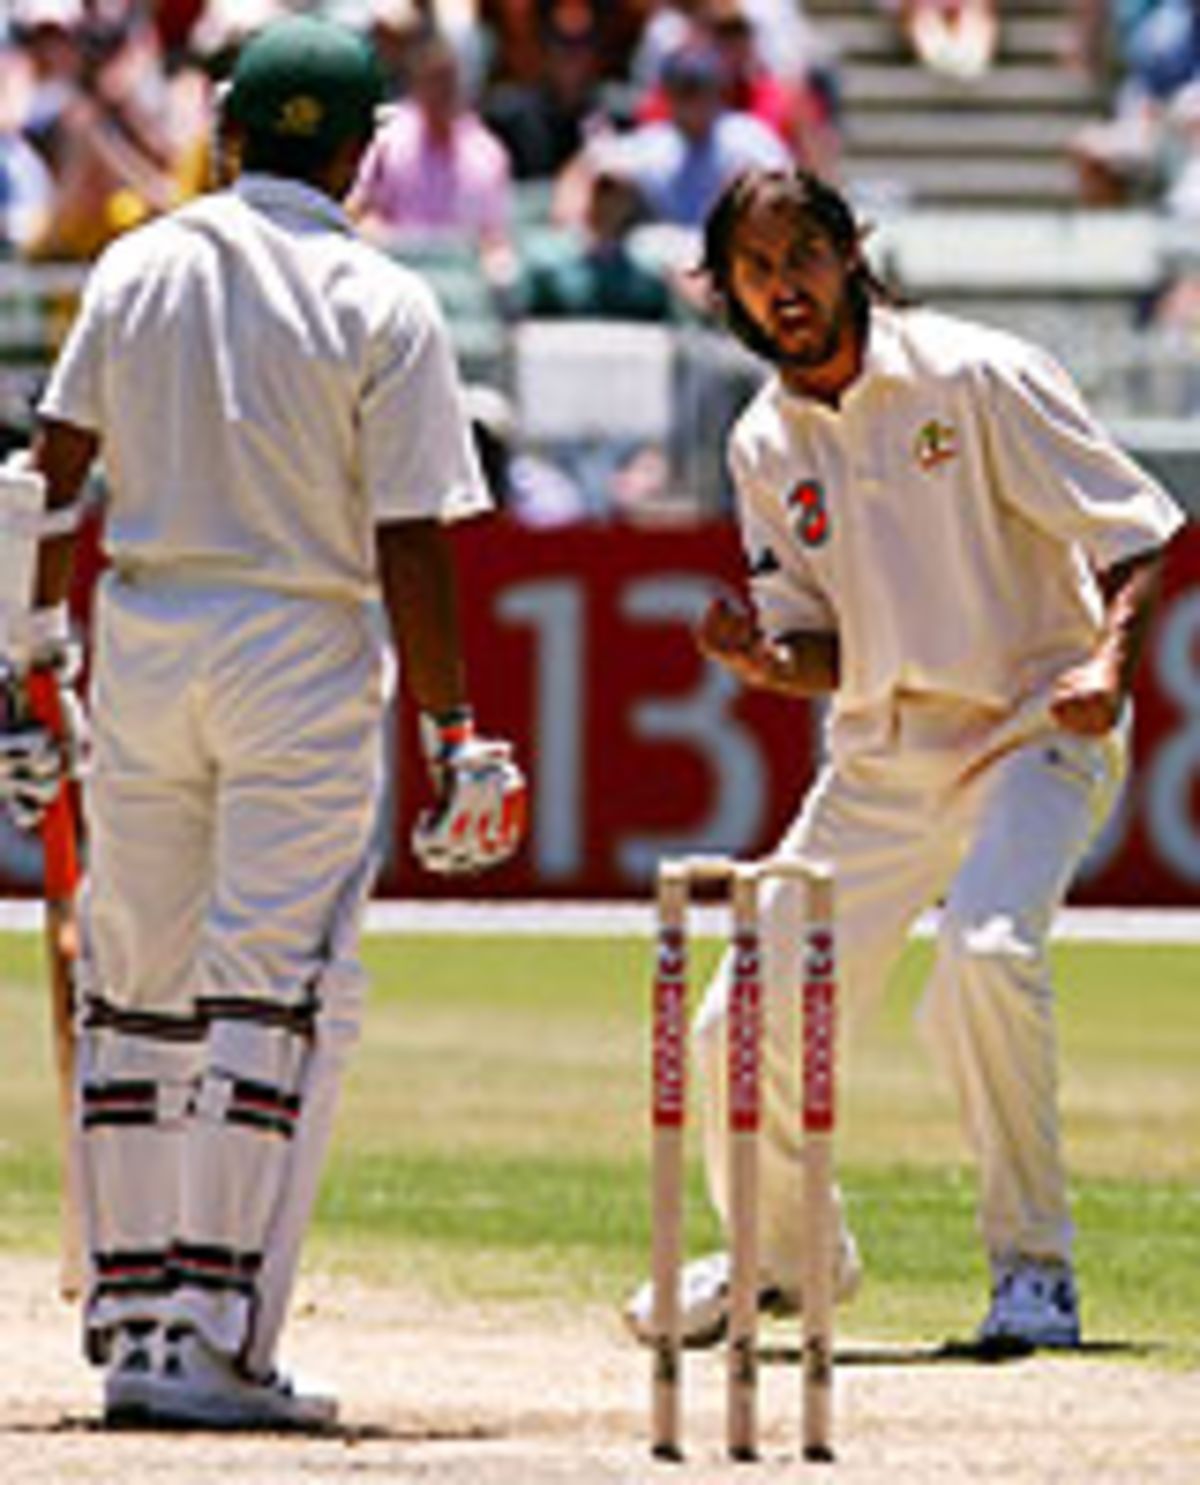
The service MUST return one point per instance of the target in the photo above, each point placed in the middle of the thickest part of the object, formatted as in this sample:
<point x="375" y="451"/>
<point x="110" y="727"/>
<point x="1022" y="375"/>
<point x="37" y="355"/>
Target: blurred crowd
<point x="566" y="150"/>
<point x="1147" y="53"/>
<point x="532" y="141"/>
<point x="108" y="111"/>
<point x="1146" y="151"/>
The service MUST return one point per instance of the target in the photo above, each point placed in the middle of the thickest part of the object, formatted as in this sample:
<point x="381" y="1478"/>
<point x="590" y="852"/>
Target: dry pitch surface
<point x="529" y="1398"/>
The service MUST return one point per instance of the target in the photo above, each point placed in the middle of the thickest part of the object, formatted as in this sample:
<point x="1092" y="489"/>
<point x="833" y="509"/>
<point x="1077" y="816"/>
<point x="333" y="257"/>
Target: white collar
<point x="886" y="351"/>
<point x="272" y="193"/>
<point x="885" y="358"/>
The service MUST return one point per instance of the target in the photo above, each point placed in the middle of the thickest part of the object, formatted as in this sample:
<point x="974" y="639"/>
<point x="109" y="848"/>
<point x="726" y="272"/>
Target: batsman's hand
<point x="31" y="774"/>
<point x="478" y="820"/>
<point x="36" y="762"/>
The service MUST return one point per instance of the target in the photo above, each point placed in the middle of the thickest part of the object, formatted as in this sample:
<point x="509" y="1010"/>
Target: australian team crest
<point x="300" y="117"/>
<point x="936" y="444"/>
<point x="808" y="513"/>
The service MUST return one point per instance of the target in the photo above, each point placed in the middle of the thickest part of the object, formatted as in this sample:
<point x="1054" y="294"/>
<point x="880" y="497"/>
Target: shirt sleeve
<point x="787" y="598"/>
<point x="419" y="459"/>
<point x="1063" y="471"/>
<point x="74" y="392"/>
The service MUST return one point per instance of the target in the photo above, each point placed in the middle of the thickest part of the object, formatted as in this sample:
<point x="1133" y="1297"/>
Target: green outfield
<point x="493" y="1140"/>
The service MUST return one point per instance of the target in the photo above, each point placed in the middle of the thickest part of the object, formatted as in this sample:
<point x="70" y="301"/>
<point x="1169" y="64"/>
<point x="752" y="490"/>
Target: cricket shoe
<point x="196" y="1386"/>
<point x="1034" y="1304"/>
<point x="704" y="1297"/>
<point x="130" y="1374"/>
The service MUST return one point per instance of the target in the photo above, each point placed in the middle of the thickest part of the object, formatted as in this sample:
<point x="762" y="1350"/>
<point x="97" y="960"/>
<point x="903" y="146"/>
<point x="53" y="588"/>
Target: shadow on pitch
<point x="954" y="1352"/>
<point x="416" y="1432"/>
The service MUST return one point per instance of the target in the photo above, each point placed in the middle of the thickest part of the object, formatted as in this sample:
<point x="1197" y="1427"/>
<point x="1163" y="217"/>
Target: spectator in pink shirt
<point x="434" y="168"/>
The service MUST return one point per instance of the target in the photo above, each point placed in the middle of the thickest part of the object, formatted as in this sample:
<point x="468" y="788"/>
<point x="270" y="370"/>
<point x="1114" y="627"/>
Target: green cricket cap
<point x="304" y="79"/>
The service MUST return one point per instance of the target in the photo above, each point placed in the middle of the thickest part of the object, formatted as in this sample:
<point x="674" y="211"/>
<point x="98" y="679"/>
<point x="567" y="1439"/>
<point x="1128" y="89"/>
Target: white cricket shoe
<point x="1033" y="1304"/>
<point x="195" y="1386"/>
<point x="704" y="1297"/>
<point x="130" y="1375"/>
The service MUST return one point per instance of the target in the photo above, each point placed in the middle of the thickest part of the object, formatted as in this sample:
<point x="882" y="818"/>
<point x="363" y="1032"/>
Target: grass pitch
<point x="493" y="1138"/>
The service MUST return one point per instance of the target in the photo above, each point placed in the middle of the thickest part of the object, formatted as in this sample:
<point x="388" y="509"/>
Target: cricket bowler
<point x="943" y="541"/>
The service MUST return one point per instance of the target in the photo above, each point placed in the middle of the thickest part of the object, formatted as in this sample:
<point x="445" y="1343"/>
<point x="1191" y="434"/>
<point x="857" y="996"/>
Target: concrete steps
<point x="1019" y="136"/>
<point x="920" y="140"/>
<point x="1007" y="86"/>
<point x="960" y="180"/>
<point x="1023" y="37"/>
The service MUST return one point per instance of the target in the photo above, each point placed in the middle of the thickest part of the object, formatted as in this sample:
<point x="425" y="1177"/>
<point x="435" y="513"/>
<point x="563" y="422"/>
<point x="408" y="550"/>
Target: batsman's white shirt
<point x="318" y="396"/>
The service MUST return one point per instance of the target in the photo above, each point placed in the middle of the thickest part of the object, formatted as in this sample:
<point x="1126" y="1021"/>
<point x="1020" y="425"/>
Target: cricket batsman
<point x="280" y="424"/>
<point x="941" y="539"/>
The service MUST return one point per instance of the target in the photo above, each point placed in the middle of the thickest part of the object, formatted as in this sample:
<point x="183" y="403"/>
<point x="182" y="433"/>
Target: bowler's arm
<point x="1089" y="698"/>
<point x="806" y="663"/>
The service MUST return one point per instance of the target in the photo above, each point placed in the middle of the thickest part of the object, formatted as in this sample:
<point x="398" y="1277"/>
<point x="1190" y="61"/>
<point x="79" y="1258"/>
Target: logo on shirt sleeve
<point x="808" y="513"/>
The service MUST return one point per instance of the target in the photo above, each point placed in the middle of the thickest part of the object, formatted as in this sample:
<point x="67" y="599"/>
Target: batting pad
<point x="137" y="1075"/>
<point x="247" y="1106"/>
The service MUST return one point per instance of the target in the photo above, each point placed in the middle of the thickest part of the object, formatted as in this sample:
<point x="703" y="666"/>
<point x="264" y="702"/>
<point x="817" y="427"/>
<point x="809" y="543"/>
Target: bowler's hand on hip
<point x="1088" y="699"/>
<point x="729" y="635"/>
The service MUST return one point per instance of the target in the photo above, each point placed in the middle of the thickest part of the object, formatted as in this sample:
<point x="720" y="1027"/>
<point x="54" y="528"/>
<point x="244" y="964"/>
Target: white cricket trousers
<point x="230" y="810"/>
<point x="931" y="802"/>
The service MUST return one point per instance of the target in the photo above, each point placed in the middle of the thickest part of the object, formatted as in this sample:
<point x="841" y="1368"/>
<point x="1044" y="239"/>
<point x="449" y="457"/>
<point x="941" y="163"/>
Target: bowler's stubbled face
<point x="788" y="276"/>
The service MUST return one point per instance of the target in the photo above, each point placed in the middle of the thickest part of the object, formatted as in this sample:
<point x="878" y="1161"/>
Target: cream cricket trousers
<point x="931" y="802"/>
<point x="230" y="809"/>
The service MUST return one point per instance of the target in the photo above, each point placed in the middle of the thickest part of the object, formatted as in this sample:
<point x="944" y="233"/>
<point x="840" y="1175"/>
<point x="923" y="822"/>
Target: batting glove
<point x="479" y="818"/>
<point x="35" y="761"/>
<point x="31" y="774"/>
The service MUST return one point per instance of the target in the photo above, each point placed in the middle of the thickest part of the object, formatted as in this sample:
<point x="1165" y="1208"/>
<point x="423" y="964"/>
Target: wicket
<point x="669" y="1117"/>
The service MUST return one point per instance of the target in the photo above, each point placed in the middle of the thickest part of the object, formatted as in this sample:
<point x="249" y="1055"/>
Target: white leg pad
<point x="237" y="1148"/>
<point x="137" y="1075"/>
<point x="341" y="990"/>
<point x="256" y="1150"/>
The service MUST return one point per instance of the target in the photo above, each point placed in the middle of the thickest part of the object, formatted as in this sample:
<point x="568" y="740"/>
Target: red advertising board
<point x="580" y="651"/>
<point x="1150" y="852"/>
